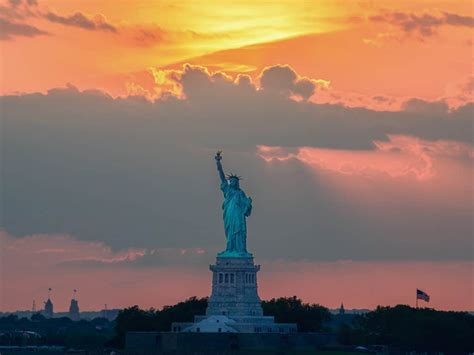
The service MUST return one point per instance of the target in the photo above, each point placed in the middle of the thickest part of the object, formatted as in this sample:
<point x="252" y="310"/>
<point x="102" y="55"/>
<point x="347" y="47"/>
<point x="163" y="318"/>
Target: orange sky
<point x="338" y="41"/>
<point x="61" y="262"/>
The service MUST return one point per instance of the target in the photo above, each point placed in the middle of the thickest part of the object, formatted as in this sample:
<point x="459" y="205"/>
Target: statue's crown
<point x="233" y="176"/>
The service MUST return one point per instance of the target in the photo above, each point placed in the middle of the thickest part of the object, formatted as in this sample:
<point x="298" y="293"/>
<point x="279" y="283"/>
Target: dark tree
<point x="410" y="329"/>
<point x="136" y="319"/>
<point x="39" y="330"/>
<point x="309" y="317"/>
<point x="38" y="317"/>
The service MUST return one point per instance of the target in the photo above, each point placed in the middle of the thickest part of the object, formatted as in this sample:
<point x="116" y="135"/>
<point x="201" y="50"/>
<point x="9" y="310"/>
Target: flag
<point x="421" y="295"/>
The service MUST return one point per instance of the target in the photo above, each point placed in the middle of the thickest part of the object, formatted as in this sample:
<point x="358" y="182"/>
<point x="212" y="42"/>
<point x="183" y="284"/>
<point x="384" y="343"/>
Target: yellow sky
<point x="193" y="28"/>
<point x="257" y="34"/>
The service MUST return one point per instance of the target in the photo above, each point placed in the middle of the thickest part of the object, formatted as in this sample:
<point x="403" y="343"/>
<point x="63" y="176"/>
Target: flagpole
<point x="416" y="302"/>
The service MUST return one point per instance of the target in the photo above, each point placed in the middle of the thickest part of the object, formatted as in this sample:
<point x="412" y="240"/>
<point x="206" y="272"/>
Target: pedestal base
<point x="234" y="288"/>
<point x="234" y="305"/>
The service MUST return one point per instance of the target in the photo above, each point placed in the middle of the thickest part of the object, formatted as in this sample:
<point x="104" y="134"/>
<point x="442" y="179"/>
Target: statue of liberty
<point x="236" y="207"/>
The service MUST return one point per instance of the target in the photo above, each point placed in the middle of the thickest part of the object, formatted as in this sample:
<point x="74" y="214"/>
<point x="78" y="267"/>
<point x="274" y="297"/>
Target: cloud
<point x="78" y="19"/>
<point x="400" y="156"/>
<point x="62" y="250"/>
<point x="141" y="35"/>
<point x="16" y="3"/>
<point x="458" y="20"/>
<point x="457" y="93"/>
<point x="28" y="9"/>
<point x="146" y="35"/>
<point x="284" y="80"/>
<point x="194" y="82"/>
<point x="169" y="81"/>
<point x="139" y="174"/>
<point x="9" y="30"/>
<point x="427" y="107"/>
<point x="280" y="78"/>
<point x="460" y="92"/>
<point x="424" y="25"/>
<point x="53" y="250"/>
<point x="19" y="10"/>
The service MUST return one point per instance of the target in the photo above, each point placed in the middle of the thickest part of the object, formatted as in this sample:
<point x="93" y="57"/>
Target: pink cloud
<point x="57" y="249"/>
<point x="398" y="157"/>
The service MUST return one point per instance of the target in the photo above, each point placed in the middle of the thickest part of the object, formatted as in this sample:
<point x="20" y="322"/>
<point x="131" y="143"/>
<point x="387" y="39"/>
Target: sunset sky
<point x="350" y="121"/>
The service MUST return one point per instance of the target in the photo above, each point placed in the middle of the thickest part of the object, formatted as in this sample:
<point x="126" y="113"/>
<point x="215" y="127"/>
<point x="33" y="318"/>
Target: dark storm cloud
<point x="132" y="173"/>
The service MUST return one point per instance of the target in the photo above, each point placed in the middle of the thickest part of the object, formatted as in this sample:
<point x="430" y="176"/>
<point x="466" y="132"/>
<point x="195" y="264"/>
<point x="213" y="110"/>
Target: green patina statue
<point x="236" y="207"/>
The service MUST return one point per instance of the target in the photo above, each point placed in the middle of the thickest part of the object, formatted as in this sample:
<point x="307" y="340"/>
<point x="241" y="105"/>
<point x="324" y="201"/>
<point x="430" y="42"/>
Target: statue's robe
<point x="236" y="207"/>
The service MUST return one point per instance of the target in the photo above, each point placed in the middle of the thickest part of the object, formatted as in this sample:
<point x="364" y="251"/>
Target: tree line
<point x="401" y="328"/>
<point x="38" y="330"/>
<point x="405" y="328"/>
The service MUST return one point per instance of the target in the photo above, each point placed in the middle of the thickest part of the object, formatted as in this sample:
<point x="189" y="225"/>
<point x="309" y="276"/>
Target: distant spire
<point x="341" y="309"/>
<point x="48" y="308"/>
<point x="33" y="309"/>
<point x="74" y="308"/>
<point x="104" y="311"/>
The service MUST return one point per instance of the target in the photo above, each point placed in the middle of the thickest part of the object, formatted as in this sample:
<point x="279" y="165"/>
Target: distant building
<point x="74" y="310"/>
<point x="48" y="309"/>
<point x="342" y="311"/>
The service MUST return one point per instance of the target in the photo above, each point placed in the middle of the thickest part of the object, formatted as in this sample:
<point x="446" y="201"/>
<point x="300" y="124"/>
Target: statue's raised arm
<point x="218" y="158"/>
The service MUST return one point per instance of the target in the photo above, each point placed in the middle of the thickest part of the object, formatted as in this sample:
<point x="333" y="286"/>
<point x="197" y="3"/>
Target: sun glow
<point x="214" y="26"/>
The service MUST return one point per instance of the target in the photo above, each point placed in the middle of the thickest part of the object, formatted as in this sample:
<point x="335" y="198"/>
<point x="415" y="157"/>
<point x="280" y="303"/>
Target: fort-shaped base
<point x="234" y="305"/>
<point x="234" y="287"/>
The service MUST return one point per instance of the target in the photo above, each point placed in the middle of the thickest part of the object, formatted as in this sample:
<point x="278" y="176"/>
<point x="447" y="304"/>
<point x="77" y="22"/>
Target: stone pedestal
<point x="234" y="288"/>
<point x="234" y="305"/>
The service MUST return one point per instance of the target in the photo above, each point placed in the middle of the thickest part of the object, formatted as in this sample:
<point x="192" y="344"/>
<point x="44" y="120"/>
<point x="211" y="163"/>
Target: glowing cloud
<point x="399" y="156"/>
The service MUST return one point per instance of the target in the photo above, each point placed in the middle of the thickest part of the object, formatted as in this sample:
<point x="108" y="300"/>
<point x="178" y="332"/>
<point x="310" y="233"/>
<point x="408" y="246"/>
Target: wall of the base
<point x="218" y="342"/>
